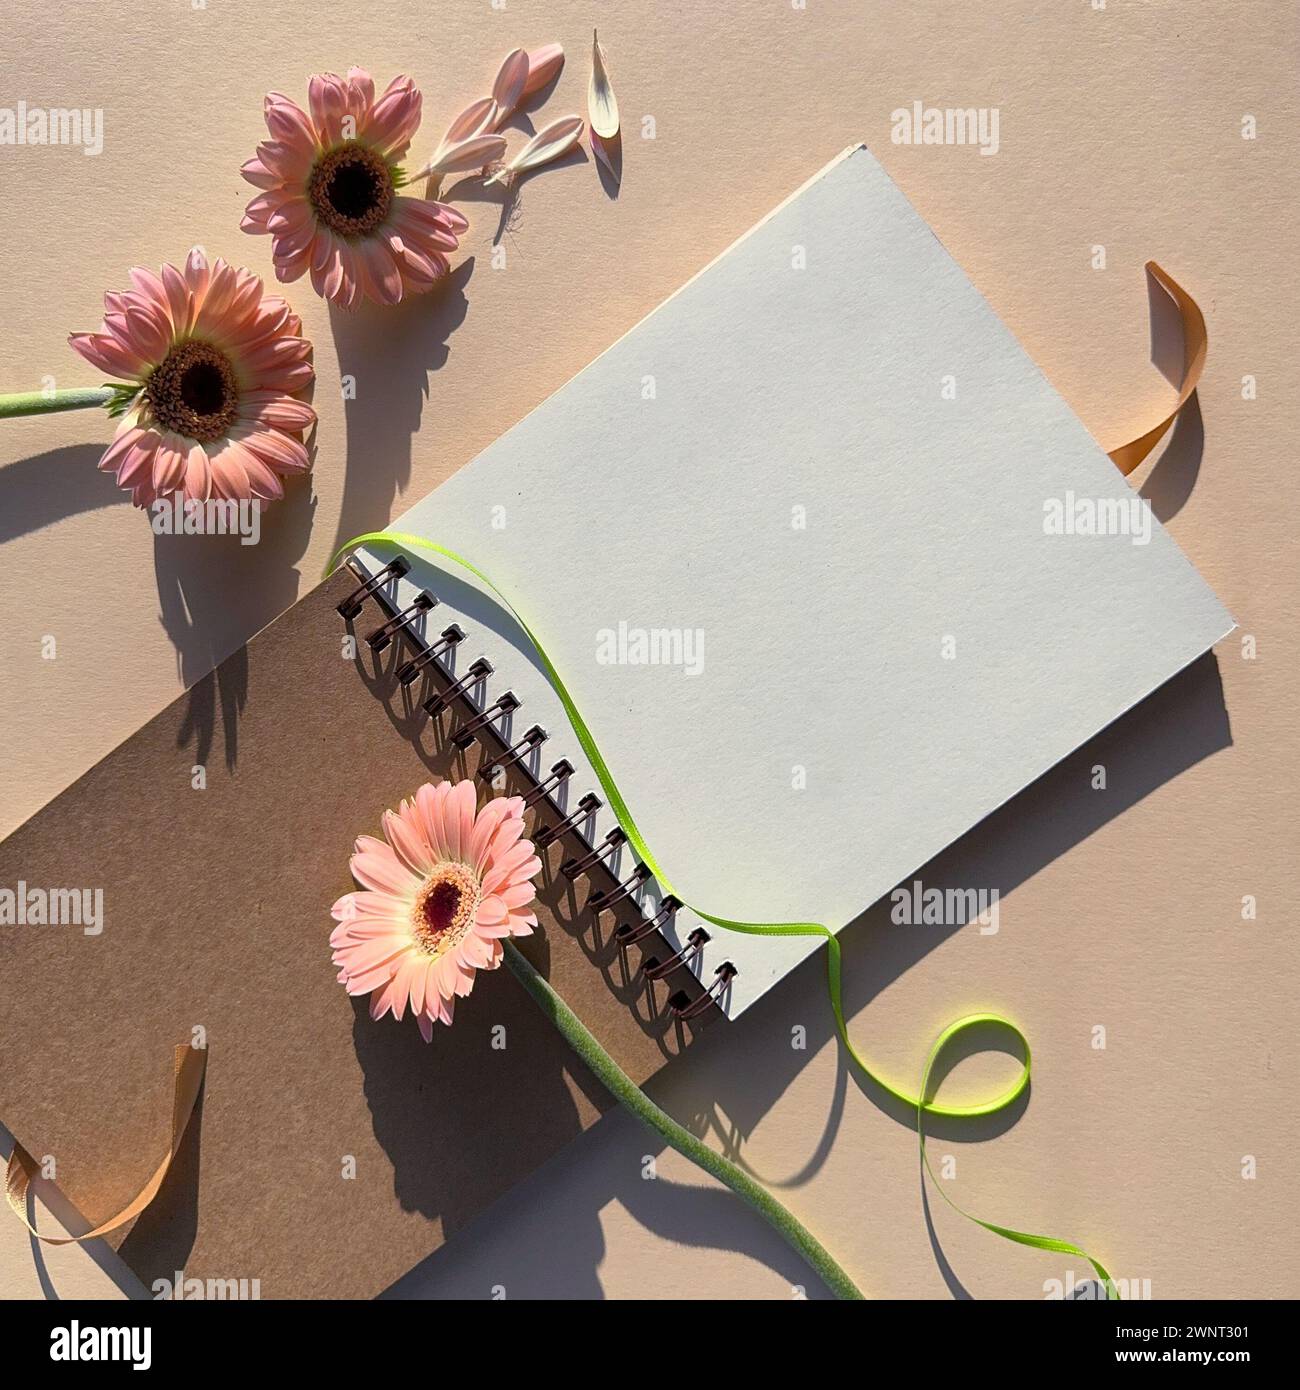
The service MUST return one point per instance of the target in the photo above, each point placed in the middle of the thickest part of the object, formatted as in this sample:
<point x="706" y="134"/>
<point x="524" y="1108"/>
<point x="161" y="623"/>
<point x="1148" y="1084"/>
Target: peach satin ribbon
<point x="190" y="1064"/>
<point x="1195" y="341"/>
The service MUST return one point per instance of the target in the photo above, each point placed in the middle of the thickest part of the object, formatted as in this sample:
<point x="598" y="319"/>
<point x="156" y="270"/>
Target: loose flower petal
<point x="477" y="118"/>
<point x="602" y="105"/>
<point x="544" y="64"/>
<point x="474" y="153"/>
<point x="508" y="89"/>
<point x="551" y="143"/>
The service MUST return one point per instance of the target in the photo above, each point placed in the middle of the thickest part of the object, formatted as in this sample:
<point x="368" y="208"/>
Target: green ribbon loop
<point x="922" y="1102"/>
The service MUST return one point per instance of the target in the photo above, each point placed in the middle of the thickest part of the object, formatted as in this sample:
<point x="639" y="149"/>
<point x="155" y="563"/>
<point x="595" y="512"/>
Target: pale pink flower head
<point x="207" y="369"/>
<point x="438" y="895"/>
<point x="331" y="196"/>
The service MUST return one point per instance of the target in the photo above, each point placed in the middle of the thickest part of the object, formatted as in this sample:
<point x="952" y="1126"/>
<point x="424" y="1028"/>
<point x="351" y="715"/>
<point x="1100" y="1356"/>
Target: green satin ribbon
<point x="922" y="1101"/>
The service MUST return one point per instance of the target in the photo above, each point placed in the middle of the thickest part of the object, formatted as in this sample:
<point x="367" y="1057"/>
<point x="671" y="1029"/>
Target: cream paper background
<point x="1119" y="127"/>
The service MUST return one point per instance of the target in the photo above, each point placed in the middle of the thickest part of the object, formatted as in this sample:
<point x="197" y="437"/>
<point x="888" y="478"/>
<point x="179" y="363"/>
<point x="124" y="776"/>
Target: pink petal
<point x="289" y="123"/>
<point x="179" y="299"/>
<point x="273" y="409"/>
<point x="518" y="894"/>
<point x="484" y="828"/>
<point x="169" y="463"/>
<point x="230" y="478"/>
<point x="476" y="118"/>
<point x="408" y="841"/>
<point x="328" y="99"/>
<point x="136" y="468"/>
<point x="508" y="88"/>
<point x="393" y="119"/>
<point x="544" y="64"/>
<point x="474" y="952"/>
<point x="281" y="452"/>
<point x="381" y="869"/>
<point x="197" y="275"/>
<point x="460" y="819"/>
<point x="361" y="88"/>
<point x="286" y="163"/>
<point x="475" y="153"/>
<point x="105" y="352"/>
<point x="258" y="174"/>
<point x="428" y="804"/>
<point x="382" y="276"/>
<point x="198" y="474"/>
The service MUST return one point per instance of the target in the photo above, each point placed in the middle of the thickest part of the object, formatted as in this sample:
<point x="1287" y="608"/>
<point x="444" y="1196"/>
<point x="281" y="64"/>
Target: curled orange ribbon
<point x="1195" y="342"/>
<point x="190" y="1064"/>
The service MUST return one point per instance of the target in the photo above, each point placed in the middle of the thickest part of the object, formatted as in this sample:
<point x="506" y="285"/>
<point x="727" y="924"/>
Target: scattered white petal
<point x="555" y="140"/>
<point x="475" y="153"/>
<point x="602" y="104"/>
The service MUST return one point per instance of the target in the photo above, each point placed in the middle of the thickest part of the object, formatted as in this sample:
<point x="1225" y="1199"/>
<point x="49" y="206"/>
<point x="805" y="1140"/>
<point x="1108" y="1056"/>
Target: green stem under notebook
<point x="923" y="1101"/>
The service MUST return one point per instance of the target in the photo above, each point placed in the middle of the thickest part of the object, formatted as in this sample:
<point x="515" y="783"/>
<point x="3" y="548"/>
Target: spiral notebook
<point x="789" y="543"/>
<point x="785" y="543"/>
<point x="329" y="1153"/>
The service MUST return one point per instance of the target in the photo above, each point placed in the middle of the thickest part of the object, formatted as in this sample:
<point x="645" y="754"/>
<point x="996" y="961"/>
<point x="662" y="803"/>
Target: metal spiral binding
<point x="587" y="807"/>
<point x="409" y="671"/>
<point x="534" y="738"/>
<point x="571" y="868"/>
<point x="656" y="969"/>
<point x="487" y="725"/>
<point x="600" y="899"/>
<point x="479" y="670"/>
<point x="628" y="935"/>
<point x="685" y="1007"/>
<point x="355" y="601"/>
<point x="382" y="636"/>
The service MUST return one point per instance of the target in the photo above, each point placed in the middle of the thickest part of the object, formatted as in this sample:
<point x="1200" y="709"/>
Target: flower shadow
<point x="213" y="591"/>
<point x="436" y="1109"/>
<point x="385" y="355"/>
<point x="37" y="491"/>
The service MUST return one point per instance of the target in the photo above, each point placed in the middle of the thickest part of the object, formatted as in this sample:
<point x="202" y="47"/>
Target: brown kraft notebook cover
<point x="328" y="1153"/>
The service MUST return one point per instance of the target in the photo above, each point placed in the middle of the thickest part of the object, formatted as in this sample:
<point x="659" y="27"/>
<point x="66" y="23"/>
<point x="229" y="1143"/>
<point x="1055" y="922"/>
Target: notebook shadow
<point x="385" y="356"/>
<point x="545" y="1238"/>
<point x="1172" y="730"/>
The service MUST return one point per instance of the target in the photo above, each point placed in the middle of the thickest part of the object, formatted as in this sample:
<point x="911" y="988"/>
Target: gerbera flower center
<point x="444" y="908"/>
<point x="351" y="190"/>
<point x="193" y="391"/>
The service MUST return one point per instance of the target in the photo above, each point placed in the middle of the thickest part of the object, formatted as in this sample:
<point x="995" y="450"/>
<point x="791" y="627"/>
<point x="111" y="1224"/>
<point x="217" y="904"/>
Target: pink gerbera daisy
<point x="330" y="196"/>
<point x="207" y="368"/>
<point x="438" y="895"/>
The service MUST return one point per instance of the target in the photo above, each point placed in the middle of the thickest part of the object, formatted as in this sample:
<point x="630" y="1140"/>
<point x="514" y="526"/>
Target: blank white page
<point x="827" y="455"/>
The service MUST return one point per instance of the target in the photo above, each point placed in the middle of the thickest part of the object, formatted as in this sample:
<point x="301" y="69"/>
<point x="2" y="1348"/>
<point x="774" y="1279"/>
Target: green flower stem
<point x="622" y="1087"/>
<point x="48" y="402"/>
